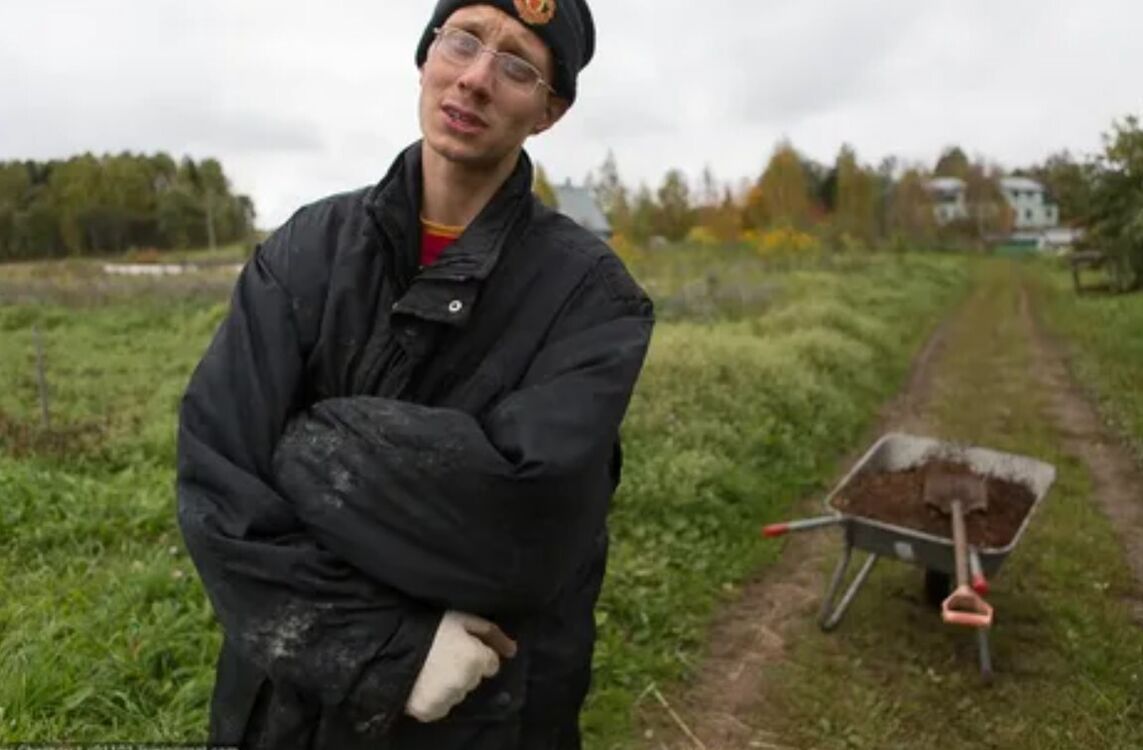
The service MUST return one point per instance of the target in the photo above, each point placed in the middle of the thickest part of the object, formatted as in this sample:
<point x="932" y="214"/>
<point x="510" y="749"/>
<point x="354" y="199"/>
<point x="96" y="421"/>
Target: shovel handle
<point x="960" y="543"/>
<point x="965" y="607"/>
<point x="806" y="524"/>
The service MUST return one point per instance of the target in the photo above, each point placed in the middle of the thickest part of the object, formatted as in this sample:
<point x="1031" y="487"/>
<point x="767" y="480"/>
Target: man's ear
<point x="556" y="107"/>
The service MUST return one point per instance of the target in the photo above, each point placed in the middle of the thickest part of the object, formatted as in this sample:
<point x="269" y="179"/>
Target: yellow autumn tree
<point x="911" y="215"/>
<point x="543" y="188"/>
<point x="781" y="196"/>
<point x="725" y="220"/>
<point x="988" y="211"/>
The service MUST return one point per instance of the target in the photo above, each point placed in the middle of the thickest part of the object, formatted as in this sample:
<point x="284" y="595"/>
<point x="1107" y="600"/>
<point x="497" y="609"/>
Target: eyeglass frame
<point x="440" y="31"/>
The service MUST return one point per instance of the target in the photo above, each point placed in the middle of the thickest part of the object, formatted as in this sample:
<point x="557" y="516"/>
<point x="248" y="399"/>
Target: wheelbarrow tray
<point x="897" y="451"/>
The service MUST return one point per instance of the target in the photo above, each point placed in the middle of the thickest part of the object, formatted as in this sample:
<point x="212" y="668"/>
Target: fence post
<point x="41" y="377"/>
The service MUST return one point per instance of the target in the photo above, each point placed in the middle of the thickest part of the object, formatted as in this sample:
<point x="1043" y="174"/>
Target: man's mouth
<point x="463" y="119"/>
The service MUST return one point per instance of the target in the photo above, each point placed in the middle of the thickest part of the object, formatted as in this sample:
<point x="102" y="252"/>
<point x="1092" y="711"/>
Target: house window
<point x="1027" y="214"/>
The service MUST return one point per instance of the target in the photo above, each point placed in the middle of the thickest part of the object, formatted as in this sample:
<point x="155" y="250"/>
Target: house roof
<point x="579" y="205"/>
<point x="946" y="184"/>
<point x="1021" y="183"/>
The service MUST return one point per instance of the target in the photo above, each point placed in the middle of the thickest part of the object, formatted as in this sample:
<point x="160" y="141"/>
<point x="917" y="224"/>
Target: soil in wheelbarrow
<point x="897" y="497"/>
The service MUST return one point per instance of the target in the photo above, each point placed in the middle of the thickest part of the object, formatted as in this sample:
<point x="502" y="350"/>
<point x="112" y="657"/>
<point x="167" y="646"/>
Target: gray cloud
<point x="58" y="129"/>
<point x="230" y="130"/>
<point x="299" y="99"/>
<point x="840" y="63"/>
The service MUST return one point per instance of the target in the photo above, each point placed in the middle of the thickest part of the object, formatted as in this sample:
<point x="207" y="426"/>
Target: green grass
<point x="235" y="252"/>
<point x="104" y="629"/>
<point x="744" y="407"/>
<point x="1068" y="658"/>
<point x="115" y="374"/>
<point x="1104" y="334"/>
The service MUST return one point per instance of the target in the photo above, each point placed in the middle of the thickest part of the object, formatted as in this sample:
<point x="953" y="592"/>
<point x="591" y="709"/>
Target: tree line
<point x="849" y="204"/>
<point x="88" y="205"/>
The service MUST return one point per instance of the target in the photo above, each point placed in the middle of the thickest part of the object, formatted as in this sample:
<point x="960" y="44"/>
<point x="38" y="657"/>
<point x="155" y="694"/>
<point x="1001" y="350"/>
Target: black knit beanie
<point x="564" y="25"/>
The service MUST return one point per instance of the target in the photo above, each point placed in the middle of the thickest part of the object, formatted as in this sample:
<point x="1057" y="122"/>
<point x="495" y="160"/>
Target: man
<point x="397" y="455"/>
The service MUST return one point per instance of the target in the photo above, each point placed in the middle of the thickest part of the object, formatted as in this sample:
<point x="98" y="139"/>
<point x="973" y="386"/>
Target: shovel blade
<point x="945" y="483"/>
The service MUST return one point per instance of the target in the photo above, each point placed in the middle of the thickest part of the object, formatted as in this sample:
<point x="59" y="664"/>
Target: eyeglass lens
<point x="463" y="48"/>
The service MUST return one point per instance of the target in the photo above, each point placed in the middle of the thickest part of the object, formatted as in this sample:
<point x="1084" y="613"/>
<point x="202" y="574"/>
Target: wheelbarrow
<point x="899" y="452"/>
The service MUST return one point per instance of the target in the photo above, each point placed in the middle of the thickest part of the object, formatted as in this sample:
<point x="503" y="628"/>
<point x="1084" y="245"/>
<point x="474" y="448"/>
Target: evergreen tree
<point x="856" y="199"/>
<point x="674" y="217"/>
<point x="643" y="216"/>
<point x="953" y="162"/>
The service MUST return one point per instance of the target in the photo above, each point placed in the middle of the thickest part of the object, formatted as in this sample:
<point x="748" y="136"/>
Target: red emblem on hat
<point x="536" y="12"/>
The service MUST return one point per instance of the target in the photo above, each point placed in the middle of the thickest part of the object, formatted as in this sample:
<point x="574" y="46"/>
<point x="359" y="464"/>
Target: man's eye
<point x="466" y="45"/>
<point x="517" y="69"/>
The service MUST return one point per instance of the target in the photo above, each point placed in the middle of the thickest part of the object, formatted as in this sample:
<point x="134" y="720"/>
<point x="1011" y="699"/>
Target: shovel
<point x="957" y="494"/>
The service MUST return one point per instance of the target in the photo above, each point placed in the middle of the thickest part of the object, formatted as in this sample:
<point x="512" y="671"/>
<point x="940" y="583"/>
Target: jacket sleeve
<point x="299" y="613"/>
<point x="490" y="516"/>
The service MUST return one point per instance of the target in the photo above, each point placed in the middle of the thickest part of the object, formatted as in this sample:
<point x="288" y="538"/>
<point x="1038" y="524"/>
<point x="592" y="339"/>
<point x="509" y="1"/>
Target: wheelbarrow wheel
<point x="938" y="586"/>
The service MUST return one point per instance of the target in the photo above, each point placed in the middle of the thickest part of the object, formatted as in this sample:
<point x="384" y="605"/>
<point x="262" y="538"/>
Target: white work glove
<point x="466" y="649"/>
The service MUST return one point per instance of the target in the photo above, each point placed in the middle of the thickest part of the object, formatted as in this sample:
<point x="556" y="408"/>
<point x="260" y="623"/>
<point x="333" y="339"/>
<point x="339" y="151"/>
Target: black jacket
<point x="366" y="444"/>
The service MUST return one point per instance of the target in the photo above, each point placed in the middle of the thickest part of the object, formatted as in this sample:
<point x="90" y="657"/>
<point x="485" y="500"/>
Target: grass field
<point x="757" y="380"/>
<point x="1104" y="333"/>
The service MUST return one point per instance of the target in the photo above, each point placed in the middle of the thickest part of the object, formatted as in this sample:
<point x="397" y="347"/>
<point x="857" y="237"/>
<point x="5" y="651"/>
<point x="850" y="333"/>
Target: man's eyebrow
<point x="468" y="24"/>
<point x="516" y="46"/>
<point x="511" y="42"/>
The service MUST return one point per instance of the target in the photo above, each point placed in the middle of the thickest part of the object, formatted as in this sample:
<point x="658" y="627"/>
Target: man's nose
<point x="480" y="74"/>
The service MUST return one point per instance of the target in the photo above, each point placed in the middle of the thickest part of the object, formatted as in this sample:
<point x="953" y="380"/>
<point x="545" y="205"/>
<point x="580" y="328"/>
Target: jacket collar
<point x="394" y="205"/>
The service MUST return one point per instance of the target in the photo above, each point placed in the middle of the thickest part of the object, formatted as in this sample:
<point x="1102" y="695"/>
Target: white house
<point x="1032" y="210"/>
<point x="948" y="199"/>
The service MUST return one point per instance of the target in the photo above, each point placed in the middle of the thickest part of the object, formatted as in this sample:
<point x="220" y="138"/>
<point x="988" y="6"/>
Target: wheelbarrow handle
<point x="806" y="524"/>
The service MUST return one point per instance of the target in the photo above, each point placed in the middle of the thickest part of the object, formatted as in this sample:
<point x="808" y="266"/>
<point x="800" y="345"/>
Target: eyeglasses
<point x="462" y="48"/>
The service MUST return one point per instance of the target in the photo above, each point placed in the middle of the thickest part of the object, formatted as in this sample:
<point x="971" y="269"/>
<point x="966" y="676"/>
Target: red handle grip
<point x="802" y="524"/>
<point x="980" y="584"/>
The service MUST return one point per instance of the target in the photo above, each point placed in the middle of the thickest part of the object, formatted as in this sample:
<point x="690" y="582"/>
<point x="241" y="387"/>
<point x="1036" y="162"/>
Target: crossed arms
<point x="331" y="541"/>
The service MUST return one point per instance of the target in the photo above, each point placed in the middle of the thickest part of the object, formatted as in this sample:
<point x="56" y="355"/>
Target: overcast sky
<point x="301" y="99"/>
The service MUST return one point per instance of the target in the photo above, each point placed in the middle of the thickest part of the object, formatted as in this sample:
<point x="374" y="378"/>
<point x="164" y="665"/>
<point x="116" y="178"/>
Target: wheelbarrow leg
<point x="830" y="614"/>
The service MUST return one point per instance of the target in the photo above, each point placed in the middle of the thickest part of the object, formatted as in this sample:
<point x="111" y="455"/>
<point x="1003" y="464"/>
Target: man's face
<point x="469" y="114"/>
